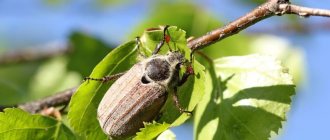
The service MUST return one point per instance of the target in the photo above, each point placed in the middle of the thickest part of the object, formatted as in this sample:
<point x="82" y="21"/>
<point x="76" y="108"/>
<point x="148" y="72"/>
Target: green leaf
<point x="15" y="124"/>
<point x="97" y="135"/>
<point x="34" y="80"/>
<point x="15" y="82"/>
<point x="247" y="98"/>
<point x="151" y="131"/>
<point x="84" y="103"/>
<point x="45" y="82"/>
<point x="150" y="39"/>
<point x="281" y="48"/>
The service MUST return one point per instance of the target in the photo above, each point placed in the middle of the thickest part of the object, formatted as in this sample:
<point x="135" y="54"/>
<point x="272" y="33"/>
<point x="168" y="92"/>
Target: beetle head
<point x="163" y="69"/>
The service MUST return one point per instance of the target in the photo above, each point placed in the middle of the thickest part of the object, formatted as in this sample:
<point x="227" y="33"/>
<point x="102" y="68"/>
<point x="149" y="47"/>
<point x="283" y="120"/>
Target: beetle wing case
<point x="129" y="102"/>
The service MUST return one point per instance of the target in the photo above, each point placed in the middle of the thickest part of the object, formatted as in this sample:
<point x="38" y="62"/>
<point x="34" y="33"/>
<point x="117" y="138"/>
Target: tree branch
<point x="28" y="55"/>
<point x="61" y="98"/>
<point x="268" y="9"/>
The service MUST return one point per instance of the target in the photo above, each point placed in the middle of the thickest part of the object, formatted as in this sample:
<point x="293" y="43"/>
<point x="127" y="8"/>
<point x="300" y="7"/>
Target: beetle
<point x="138" y="95"/>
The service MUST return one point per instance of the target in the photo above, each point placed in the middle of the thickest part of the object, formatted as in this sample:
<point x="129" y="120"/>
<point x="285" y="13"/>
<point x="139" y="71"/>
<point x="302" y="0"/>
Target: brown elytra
<point x="139" y="94"/>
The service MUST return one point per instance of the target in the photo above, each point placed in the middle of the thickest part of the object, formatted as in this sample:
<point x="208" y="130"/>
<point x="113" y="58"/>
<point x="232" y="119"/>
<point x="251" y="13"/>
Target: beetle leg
<point x="189" y="71"/>
<point x="165" y="39"/>
<point x="105" y="78"/>
<point x="177" y="104"/>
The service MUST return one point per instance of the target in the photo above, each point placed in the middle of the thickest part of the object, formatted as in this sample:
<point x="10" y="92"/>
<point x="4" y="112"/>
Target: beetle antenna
<point x="177" y="103"/>
<point x="166" y="39"/>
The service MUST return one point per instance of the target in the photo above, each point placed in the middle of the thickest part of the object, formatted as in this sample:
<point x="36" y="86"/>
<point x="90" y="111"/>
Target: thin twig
<point x="61" y="98"/>
<point x="303" y="11"/>
<point x="28" y="55"/>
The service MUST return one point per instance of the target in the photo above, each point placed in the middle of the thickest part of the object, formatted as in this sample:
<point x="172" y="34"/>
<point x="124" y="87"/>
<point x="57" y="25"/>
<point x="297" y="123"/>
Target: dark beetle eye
<point x="144" y="80"/>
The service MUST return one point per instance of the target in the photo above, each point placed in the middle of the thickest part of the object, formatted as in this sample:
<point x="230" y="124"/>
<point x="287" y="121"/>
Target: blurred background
<point x="47" y="46"/>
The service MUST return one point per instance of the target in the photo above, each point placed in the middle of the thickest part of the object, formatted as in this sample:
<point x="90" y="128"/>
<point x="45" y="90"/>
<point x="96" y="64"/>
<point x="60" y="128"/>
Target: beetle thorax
<point x="163" y="69"/>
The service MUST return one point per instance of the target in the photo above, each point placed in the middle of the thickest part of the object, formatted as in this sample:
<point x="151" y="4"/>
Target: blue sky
<point x="29" y="23"/>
